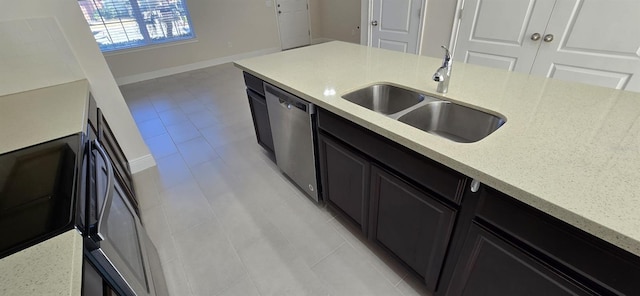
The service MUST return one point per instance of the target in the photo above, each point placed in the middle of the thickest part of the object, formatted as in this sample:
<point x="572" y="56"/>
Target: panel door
<point x="498" y="33"/>
<point x="293" y="22"/>
<point x="345" y="179"/>
<point x="396" y="24"/>
<point x="410" y="223"/>
<point x="595" y="42"/>
<point x="490" y="266"/>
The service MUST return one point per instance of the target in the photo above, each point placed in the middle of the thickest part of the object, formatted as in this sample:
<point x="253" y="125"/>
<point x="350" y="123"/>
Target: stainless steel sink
<point x="384" y="98"/>
<point x="452" y="121"/>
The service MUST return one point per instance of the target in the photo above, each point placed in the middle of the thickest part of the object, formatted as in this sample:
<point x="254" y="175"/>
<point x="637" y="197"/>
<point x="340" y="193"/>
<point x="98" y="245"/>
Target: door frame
<point x="457" y="18"/>
<point x="366" y="13"/>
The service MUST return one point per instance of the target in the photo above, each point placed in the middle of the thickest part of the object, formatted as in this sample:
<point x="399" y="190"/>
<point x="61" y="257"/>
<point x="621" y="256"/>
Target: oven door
<point x="119" y="251"/>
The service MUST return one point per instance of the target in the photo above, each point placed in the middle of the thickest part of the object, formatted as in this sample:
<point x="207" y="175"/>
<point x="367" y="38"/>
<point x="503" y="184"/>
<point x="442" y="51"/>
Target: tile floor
<point x="224" y="219"/>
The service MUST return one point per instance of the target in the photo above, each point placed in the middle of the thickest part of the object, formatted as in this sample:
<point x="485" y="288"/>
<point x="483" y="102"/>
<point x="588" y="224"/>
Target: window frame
<point x="147" y="42"/>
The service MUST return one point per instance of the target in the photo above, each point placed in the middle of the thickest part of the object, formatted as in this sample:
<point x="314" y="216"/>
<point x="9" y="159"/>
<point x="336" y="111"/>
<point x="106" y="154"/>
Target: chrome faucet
<point x="443" y="73"/>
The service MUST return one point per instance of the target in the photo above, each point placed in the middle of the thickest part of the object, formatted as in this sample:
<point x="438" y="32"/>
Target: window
<point x="122" y="24"/>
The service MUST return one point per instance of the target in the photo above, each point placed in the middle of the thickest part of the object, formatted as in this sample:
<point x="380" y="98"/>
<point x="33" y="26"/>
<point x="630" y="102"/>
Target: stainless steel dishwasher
<point x="292" y="121"/>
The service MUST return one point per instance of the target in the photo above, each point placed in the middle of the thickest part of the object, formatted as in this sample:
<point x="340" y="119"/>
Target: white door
<point x="498" y="33"/>
<point x="293" y="22"/>
<point x="595" y="42"/>
<point x="395" y="24"/>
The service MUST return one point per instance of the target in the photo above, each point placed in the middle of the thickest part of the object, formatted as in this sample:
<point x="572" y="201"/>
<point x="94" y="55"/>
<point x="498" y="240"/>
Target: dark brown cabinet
<point x="259" y="113"/>
<point x="488" y="265"/>
<point x="403" y="202"/>
<point x="511" y="248"/>
<point x="260" y="117"/>
<point x="345" y="180"/>
<point x="412" y="224"/>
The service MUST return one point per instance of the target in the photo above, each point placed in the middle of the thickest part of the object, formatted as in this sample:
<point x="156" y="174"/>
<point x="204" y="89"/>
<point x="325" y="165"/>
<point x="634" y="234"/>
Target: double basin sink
<point x="446" y="119"/>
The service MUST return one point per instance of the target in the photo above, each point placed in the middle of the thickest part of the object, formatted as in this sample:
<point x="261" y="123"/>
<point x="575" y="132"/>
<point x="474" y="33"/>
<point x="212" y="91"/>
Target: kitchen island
<point x="569" y="150"/>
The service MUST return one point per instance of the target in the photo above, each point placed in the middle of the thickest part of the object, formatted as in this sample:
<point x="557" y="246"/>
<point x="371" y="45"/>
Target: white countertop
<point x="44" y="114"/>
<point x="568" y="149"/>
<point x="53" y="267"/>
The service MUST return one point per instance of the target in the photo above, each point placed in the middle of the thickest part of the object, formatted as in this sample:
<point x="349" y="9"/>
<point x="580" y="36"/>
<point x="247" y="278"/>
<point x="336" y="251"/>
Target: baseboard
<point x="142" y="163"/>
<point x="190" y="67"/>
<point x="320" y="40"/>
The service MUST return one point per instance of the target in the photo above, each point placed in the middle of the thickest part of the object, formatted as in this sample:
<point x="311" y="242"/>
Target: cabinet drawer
<point x="604" y="267"/>
<point x="253" y="83"/>
<point x="425" y="172"/>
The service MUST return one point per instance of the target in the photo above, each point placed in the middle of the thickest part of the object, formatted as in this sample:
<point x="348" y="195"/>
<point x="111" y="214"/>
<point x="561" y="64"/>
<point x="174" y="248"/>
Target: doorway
<point x="396" y="24"/>
<point x="293" y="23"/>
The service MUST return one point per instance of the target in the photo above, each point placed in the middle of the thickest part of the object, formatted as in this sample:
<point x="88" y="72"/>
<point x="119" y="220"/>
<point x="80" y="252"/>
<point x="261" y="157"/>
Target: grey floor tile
<point x="276" y="270"/>
<point x="220" y="136"/>
<point x="155" y="223"/>
<point x="215" y="178"/>
<point x="162" y="103"/>
<point x="243" y="287"/>
<point x="161" y="146"/>
<point x="176" y="279"/>
<point x="185" y="206"/>
<point x="203" y="119"/>
<point x="210" y="262"/>
<point x="345" y="272"/>
<point x="392" y="270"/>
<point x="172" y="117"/>
<point x="312" y="236"/>
<point x="191" y="106"/>
<point x="183" y="132"/>
<point x="196" y="151"/>
<point x="172" y="171"/>
<point x="151" y="128"/>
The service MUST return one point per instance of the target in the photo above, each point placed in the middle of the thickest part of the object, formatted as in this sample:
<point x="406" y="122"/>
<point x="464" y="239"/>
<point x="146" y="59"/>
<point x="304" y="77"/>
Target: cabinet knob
<point x="535" y="36"/>
<point x="475" y="185"/>
<point x="548" y="38"/>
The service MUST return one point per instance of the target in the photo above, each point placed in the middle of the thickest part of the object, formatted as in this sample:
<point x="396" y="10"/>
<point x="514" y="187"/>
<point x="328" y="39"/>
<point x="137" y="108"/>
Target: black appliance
<point x="68" y="183"/>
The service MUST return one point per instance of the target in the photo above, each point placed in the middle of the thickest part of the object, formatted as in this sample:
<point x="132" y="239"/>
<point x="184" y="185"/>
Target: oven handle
<point x="110" y="183"/>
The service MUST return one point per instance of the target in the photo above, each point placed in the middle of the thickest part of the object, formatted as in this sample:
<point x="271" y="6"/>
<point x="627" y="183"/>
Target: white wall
<point x="35" y="54"/>
<point x="223" y="28"/>
<point x="107" y="94"/>
<point x="335" y="20"/>
<point x="437" y="27"/>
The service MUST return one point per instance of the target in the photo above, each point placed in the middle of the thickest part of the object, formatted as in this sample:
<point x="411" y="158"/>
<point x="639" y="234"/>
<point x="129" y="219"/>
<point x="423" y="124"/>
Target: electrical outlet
<point x="268" y="3"/>
<point x="229" y="44"/>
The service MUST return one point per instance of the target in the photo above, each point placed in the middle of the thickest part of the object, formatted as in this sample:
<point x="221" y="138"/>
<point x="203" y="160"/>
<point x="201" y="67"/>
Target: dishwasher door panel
<point x="291" y="127"/>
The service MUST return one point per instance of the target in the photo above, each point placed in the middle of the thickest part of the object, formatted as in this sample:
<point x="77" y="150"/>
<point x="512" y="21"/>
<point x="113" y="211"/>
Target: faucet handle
<point x="447" y="53"/>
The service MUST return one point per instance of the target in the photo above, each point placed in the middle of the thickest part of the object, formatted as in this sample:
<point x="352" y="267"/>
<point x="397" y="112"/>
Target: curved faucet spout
<point x="443" y="73"/>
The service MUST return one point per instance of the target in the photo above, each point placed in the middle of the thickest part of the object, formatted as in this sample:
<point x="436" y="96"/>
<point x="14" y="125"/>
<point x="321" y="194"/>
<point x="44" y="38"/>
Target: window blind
<point x="123" y="24"/>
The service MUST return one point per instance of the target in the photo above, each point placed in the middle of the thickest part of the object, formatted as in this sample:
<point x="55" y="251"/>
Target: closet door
<point x="595" y="42"/>
<point x="500" y="34"/>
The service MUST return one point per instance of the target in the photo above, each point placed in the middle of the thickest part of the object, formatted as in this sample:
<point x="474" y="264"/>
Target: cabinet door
<point x="595" y="42"/>
<point x="410" y="223"/>
<point x="345" y="179"/>
<point x="490" y="266"/>
<point x="260" y="117"/>
<point x="497" y="33"/>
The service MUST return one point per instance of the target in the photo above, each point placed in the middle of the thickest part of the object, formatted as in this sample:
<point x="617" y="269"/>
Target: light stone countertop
<point x="52" y="267"/>
<point x="571" y="150"/>
<point x="44" y="114"/>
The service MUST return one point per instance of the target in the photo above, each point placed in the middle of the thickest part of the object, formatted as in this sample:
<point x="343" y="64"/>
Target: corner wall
<point x="85" y="49"/>
<point x="223" y="28"/>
